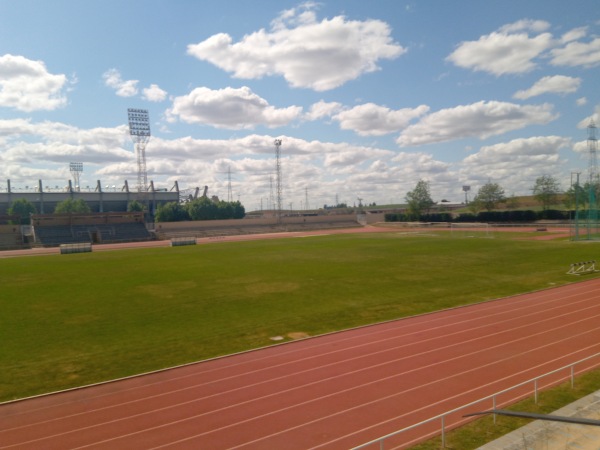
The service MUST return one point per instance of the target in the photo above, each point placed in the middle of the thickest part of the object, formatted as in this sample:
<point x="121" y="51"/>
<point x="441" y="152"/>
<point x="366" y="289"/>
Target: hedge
<point x="489" y="216"/>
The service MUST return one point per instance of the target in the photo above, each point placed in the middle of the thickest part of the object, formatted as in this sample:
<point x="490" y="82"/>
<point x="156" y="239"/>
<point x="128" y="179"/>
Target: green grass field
<point x="70" y="320"/>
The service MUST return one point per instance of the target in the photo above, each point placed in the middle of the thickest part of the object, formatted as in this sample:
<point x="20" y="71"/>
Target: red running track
<point x="330" y="392"/>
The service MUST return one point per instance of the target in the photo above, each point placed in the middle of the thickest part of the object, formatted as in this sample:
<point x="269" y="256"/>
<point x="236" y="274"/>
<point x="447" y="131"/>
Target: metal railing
<point x="442" y="417"/>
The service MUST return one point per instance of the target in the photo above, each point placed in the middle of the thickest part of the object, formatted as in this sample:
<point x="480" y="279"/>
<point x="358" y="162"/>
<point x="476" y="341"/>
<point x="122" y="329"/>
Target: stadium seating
<point x="11" y="240"/>
<point x="50" y="236"/>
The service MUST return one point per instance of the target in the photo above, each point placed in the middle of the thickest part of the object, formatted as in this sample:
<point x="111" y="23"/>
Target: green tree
<point x="70" y="205"/>
<point x="546" y="190"/>
<point x="419" y="200"/>
<point x="202" y="208"/>
<point x="512" y="202"/>
<point x="489" y="196"/>
<point x="170" y="212"/>
<point x="239" y="212"/>
<point x="475" y="206"/>
<point x="22" y="208"/>
<point x="224" y="210"/>
<point x="576" y="197"/>
<point x="135" y="206"/>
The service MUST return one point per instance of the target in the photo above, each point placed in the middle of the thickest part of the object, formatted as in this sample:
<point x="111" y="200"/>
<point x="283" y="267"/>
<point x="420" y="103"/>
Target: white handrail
<point x="442" y="416"/>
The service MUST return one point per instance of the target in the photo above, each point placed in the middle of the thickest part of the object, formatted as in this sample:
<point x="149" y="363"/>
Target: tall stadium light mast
<point x="593" y="150"/>
<point x="271" y="196"/>
<point x="229" y="193"/>
<point x="466" y="190"/>
<point x="306" y="198"/>
<point x="593" y="183"/>
<point x="76" y="168"/>
<point x="278" y="177"/>
<point x="139" y="129"/>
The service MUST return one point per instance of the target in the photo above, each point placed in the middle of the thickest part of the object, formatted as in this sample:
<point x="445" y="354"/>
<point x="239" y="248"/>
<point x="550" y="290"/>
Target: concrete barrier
<point x="80" y="247"/>
<point x="177" y="241"/>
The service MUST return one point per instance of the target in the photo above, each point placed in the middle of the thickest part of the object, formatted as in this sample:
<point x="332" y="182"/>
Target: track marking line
<point x="326" y="396"/>
<point x="307" y="370"/>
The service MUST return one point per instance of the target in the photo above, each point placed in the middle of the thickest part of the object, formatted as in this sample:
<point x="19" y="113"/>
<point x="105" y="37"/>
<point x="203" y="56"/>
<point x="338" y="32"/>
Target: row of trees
<point x="199" y="209"/>
<point x="24" y="208"/>
<point x="546" y="191"/>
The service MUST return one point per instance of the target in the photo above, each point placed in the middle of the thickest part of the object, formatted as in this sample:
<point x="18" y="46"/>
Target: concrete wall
<point x="375" y="217"/>
<point x="201" y="225"/>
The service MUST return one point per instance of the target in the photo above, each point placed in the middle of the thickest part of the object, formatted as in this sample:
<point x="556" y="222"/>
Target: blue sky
<point x="367" y="97"/>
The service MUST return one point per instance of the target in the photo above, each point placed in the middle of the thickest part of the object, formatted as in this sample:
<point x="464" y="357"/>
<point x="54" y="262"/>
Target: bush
<point x="466" y="217"/>
<point x="70" y="205"/>
<point x="171" y="212"/>
<point x="22" y="208"/>
<point x="553" y="214"/>
<point x="437" y="217"/>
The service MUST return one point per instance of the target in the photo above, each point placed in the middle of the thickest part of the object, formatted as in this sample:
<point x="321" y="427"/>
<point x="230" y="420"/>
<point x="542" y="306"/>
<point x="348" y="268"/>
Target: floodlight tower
<point x="278" y="176"/>
<point x="229" y="194"/>
<point x="593" y="150"/>
<point x="139" y="129"/>
<point x="306" y="198"/>
<point x="76" y="168"/>
<point x="271" y="196"/>
<point x="466" y="190"/>
<point x="593" y="182"/>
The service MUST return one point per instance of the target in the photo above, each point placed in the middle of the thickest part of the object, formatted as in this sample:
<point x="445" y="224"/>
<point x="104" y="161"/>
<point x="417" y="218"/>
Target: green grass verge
<point x="71" y="320"/>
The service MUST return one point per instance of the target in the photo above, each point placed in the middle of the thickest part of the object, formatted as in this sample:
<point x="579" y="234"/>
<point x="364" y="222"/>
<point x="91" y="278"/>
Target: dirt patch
<point x="298" y="335"/>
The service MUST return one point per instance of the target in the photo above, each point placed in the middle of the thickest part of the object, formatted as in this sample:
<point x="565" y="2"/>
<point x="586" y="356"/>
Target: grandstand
<point x="10" y="233"/>
<point x="52" y="230"/>
<point x="99" y="199"/>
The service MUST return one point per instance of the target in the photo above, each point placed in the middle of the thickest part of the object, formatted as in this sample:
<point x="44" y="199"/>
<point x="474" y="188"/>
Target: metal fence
<point x="533" y="386"/>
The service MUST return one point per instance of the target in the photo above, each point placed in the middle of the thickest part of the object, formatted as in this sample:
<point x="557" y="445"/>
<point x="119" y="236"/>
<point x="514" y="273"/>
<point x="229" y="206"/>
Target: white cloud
<point x="511" y="49"/>
<point x="516" y="164"/>
<point x="374" y="120"/>
<point x="557" y="84"/>
<point x="508" y="51"/>
<point x="230" y="108"/>
<point x="352" y="156"/>
<point x="27" y="85"/>
<point x="43" y="150"/>
<point x="480" y="120"/>
<point x="154" y="93"/>
<point x="573" y="35"/>
<point x="518" y="148"/>
<point x="323" y="109"/>
<point x="595" y="118"/>
<point x="581" y="101"/>
<point x="56" y="131"/>
<point x="124" y="88"/>
<point x="577" y="54"/>
<point x="308" y="54"/>
<point x="302" y="15"/>
<point x="537" y="26"/>
<point x="422" y="164"/>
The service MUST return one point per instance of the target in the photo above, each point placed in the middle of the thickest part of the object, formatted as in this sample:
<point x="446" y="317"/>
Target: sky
<point x="368" y="98"/>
